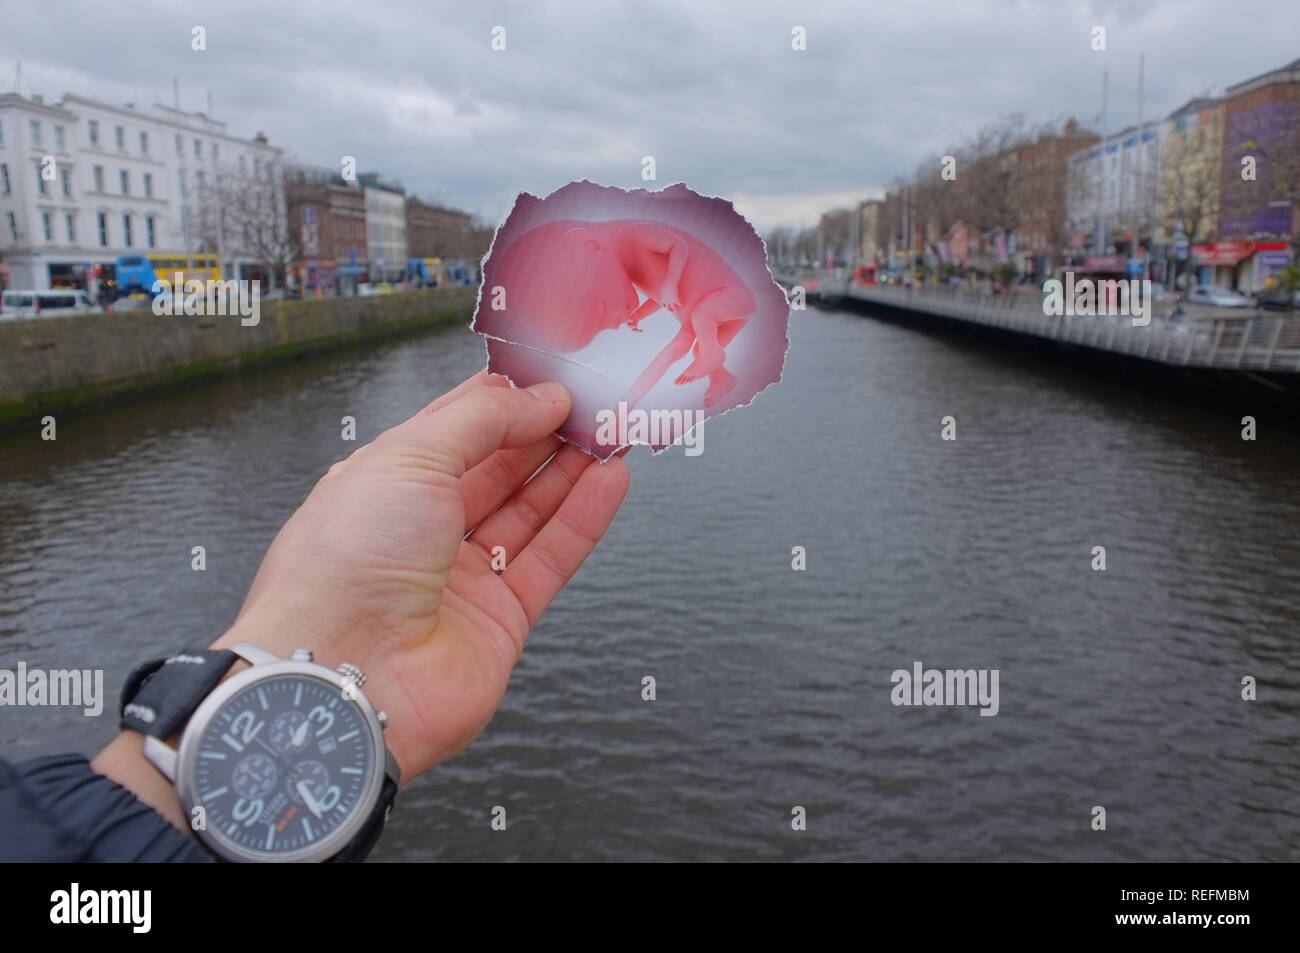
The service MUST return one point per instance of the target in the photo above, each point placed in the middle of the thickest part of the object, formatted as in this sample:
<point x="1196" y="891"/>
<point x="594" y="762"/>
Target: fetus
<point x="567" y="281"/>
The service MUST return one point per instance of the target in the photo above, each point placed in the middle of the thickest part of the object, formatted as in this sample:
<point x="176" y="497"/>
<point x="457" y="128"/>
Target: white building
<point x="83" y="183"/>
<point x="1115" y="186"/>
<point x="385" y="229"/>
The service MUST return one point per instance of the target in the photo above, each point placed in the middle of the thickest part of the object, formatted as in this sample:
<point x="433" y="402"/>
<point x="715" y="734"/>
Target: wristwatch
<point x="284" y="761"/>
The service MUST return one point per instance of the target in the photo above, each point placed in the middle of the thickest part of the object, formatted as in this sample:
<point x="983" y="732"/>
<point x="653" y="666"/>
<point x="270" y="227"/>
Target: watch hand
<point x="300" y="733"/>
<point x="305" y="793"/>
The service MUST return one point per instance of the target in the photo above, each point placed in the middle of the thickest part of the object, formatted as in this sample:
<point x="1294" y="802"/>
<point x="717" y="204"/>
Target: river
<point x="1119" y="688"/>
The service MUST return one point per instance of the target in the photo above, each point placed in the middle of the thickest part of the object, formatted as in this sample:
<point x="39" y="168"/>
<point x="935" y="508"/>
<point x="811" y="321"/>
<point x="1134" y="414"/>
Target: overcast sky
<point x="712" y="90"/>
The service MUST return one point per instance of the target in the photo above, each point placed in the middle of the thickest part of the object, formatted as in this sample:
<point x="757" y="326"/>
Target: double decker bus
<point x="137" y="273"/>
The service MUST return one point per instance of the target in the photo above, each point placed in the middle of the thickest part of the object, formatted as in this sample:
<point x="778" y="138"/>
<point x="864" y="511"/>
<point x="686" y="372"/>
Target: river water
<point x="1119" y="689"/>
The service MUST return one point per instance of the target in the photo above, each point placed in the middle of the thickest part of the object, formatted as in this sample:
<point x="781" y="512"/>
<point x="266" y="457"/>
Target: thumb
<point x="462" y="434"/>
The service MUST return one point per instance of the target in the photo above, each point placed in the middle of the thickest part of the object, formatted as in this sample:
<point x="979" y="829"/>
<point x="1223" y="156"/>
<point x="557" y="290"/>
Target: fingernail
<point x="548" y="390"/>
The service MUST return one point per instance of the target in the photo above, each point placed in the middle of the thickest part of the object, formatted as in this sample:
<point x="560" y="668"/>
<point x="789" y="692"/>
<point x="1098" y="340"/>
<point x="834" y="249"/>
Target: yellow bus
<point x="139" y="272"/>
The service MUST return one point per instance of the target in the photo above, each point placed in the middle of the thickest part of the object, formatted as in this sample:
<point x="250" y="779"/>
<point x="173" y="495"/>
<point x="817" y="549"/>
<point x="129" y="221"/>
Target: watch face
<point x="281" y="765"/>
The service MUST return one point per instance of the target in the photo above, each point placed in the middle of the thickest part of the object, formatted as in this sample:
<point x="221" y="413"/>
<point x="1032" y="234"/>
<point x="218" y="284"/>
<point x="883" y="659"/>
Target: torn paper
<point x="655" y="309"/>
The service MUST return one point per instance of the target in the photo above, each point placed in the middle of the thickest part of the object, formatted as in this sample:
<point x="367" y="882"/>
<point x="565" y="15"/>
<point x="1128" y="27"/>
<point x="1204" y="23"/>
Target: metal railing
<point x="1252" y="341"/>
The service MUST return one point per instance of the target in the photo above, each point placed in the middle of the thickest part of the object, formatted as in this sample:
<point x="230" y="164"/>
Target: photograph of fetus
<point x="651" y="303"/>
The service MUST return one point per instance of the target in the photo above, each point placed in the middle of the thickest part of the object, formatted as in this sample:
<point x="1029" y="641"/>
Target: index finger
<point x="481" y="379"/>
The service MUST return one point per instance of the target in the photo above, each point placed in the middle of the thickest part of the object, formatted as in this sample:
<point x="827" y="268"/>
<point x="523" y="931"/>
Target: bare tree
<point x="249" y="214"/>
<point x="989" y="173"/>
<point x="1191" y="186"/>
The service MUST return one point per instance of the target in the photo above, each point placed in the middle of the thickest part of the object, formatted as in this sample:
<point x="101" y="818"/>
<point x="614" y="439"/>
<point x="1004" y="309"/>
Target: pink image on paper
<point x="658" y="303"/>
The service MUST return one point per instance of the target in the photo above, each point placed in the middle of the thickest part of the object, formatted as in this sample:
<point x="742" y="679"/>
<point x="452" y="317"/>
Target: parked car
<point x="1217" y="296"/>
<point x="1277" y="299"/>
<point x="32" y="304"/>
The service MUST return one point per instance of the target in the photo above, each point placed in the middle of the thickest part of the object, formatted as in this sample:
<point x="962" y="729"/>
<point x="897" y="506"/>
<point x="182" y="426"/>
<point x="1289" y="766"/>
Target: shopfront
<point x="1243" y="266"/>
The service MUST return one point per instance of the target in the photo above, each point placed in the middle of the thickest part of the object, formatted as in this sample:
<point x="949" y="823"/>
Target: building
<point x="869" y="249"/>
<point x="328" y="219"/>
<point x="386" y="248"/>
<point x="1114" y="191"/>
<point x="436" y="232"/>
<point x="1041" y="195"/>
<point x="84" y="182"/>
<point x="1259" y="184"/>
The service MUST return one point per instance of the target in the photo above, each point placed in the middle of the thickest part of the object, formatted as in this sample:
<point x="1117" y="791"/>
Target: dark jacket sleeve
<point x="57" y="809"/>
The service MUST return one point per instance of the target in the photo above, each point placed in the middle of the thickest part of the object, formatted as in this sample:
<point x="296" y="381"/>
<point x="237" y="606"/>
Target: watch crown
<point x="301" y="655"/>
<point x="383" y="719"/>
<point x="348" y="670"/>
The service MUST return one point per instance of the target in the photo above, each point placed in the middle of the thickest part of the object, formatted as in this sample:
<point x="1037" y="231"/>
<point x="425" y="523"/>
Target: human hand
<point x="374" y="567"/>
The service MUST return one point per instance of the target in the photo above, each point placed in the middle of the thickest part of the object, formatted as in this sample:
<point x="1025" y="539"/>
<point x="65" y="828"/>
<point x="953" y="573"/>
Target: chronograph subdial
<point x="255" y="776"/>
<point x="290" y="732"/>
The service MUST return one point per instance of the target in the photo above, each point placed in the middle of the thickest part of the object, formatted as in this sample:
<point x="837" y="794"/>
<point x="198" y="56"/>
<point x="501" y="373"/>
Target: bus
<point x="137" y="273"/>
<point x="425" y="272"/>
<point x="865" y="274"/>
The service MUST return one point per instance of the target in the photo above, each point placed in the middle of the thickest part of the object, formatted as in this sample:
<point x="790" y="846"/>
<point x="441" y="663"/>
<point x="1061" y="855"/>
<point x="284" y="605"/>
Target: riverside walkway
<point x="1248" y="340"/>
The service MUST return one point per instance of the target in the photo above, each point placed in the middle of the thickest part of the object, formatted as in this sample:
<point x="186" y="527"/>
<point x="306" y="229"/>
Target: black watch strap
<point x="360" y="846"/>
<point x="159" y="696"/>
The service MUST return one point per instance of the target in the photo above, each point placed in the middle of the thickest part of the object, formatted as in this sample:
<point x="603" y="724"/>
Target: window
<point x="257" y="168"/>
<point x="2" y="134"/>
<point x="36" y="132"/>
<point x="13" y="227"/>
<point x="179" y="150"/>
<point x="4" y="178"/>
<point x="200" y="178"/>
<point x="67" y="184"/>
<point x="144" y="142"/>
<point x="126" y="230"/>
<point x="47" y="226"/>
<point x="242" y="165"/>
<point x="119" y="134"/>
<point x="94" y="132"/>
<point x="198" y="149"/>
<point x="148" y="185"/>
<point x="149" y="231"/>
<point x="60" y="144"/>
<point x="71" y="221"/>
<point x="41" y="184"/>
<point x="99" y="178"/>
<point x="214" y="150"/>
<point x="180" y="177"/>
<point x="125" y="178"/>
<point x="103" y="229"/>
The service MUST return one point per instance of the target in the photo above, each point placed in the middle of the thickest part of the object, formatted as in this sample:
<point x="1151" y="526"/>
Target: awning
<point x="1222" y="253"/>
<point x="1105" y="263"/>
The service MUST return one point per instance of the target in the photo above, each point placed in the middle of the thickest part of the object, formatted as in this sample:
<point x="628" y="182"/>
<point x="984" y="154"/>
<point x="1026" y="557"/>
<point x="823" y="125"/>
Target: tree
<point x="249" y="214"/>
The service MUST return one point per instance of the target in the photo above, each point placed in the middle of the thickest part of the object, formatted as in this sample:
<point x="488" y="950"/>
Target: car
<point x="1217" y="296"/>
<point x="1277" y="299"/>
<point x="32" y="304"/>
<point x="132" y="302"/>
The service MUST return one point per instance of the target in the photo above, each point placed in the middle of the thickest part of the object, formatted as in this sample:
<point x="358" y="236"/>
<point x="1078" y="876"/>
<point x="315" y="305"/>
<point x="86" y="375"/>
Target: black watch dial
<point x="283" y="764"/>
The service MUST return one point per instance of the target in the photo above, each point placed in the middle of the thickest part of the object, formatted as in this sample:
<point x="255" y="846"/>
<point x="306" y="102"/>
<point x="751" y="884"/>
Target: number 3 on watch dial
<point x="285" y="768"/>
